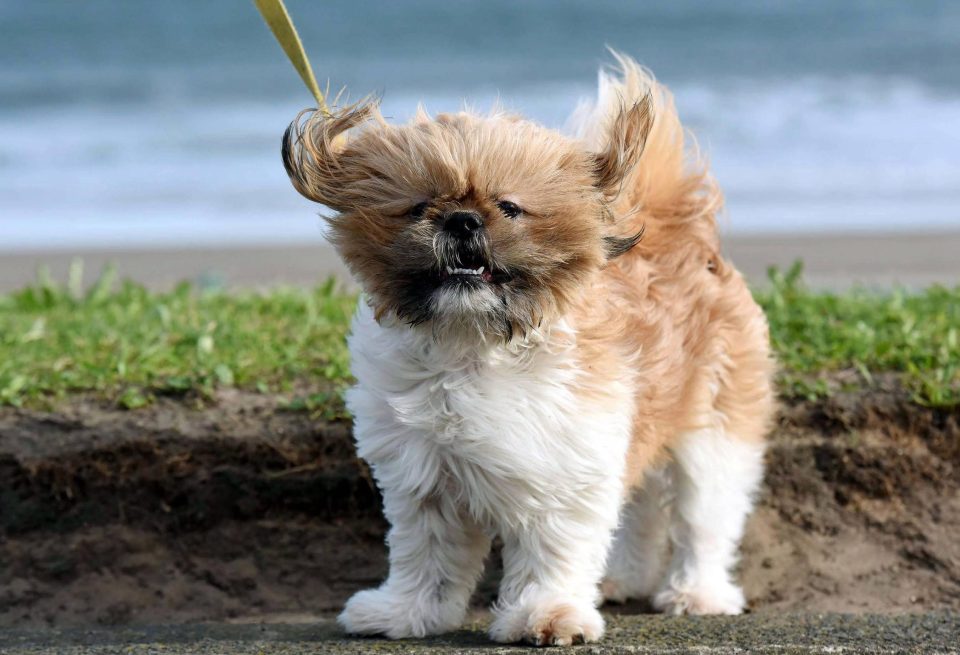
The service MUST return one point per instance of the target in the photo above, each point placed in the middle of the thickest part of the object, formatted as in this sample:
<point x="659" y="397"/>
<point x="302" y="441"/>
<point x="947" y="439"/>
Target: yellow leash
<point x="279" y="22"/>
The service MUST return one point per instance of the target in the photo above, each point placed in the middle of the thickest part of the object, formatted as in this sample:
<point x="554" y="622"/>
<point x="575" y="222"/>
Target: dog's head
<point x="485" y="226"/>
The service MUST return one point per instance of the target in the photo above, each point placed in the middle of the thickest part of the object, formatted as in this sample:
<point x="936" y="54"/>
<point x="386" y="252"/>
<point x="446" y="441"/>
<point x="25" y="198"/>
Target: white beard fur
<point x="469" y="441"/>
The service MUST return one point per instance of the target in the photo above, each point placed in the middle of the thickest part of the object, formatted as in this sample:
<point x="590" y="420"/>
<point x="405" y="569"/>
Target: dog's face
<point x="471" y="225"/>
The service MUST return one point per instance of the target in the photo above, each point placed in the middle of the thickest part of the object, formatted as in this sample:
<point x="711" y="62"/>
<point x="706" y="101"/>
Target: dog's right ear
<point x="313" y="152"/>
<point x="626" y="137"/>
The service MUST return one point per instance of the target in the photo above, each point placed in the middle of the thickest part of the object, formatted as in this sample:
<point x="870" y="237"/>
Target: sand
<point x="832" y="261"/>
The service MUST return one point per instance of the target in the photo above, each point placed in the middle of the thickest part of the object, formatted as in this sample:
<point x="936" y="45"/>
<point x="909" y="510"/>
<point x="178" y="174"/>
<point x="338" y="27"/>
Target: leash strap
<point x="278" y="20"/>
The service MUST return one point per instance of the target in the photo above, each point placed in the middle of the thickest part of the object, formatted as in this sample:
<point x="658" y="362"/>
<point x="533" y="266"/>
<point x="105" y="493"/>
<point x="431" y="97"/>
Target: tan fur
<point x="685" y="310"/>
<point x="672" y="308"/>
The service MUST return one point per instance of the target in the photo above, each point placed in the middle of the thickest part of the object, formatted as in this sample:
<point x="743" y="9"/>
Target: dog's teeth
<point x="465" y="271"/>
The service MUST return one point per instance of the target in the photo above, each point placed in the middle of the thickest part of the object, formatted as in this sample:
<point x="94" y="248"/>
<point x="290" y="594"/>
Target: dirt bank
<point x="243" y="511"/>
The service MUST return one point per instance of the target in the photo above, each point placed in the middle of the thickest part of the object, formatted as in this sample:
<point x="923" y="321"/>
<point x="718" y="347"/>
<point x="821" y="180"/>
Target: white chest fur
<point x="503" y="429"/>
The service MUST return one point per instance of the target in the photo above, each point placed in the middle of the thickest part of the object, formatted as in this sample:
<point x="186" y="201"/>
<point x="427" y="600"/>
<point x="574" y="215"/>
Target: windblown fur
<point x="552" y="350"/>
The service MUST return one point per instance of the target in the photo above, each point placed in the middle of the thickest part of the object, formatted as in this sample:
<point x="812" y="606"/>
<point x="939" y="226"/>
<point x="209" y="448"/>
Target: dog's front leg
<point x="551" y="571"/>
<point x="436" y="557"/>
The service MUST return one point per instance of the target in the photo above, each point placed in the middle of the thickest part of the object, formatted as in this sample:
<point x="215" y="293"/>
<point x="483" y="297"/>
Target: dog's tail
<point x="669" y="193"/>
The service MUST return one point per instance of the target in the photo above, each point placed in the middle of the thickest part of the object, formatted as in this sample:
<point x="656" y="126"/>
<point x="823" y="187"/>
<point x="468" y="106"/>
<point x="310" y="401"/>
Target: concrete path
<point x="831" y="261"/>
<point x="781" y="634"/>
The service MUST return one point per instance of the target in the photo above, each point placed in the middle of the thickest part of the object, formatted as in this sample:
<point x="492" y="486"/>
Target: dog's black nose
<point x="463" y="223"/>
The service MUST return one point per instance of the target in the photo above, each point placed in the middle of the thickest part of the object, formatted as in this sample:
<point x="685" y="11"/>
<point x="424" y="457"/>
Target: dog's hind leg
<point x="715" y="478"/>
<point x="641" y="547"/>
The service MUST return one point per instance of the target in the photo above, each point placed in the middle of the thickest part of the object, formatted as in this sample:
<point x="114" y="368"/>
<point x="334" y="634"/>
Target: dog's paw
<point x="548" y="623"/>
<point x="397" y="616"/>
<point x="718" y="598"/>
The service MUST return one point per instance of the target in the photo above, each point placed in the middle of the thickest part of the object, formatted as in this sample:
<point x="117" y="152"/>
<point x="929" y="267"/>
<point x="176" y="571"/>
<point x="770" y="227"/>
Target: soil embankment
<point x="243" y="511"/>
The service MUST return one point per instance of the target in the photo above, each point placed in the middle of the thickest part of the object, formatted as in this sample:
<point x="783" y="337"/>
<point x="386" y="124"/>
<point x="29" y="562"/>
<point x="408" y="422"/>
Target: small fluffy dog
<point x="552" y="350"/>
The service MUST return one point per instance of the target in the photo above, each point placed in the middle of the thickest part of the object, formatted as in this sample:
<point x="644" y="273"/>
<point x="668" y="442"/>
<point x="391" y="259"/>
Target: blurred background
<point x="145" y="125"/>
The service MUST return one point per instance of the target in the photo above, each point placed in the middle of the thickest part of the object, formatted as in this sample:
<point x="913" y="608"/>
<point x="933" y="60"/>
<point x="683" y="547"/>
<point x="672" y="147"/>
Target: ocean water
<point x="142" y="123"/>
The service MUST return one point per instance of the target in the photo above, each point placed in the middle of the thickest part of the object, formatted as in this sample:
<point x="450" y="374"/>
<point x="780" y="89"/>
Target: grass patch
<point x="914" y="334"/>
<point x="130" y="345"/>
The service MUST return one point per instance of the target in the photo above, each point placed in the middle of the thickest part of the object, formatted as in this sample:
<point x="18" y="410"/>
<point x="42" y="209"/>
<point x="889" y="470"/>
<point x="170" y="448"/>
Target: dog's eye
<point x="418" y="210"/>
<point x="509" y="209"/>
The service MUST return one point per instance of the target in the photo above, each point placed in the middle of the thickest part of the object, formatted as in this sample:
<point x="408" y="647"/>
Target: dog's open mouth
<point x="472" y="270"/>
<point x="481" y="273"/>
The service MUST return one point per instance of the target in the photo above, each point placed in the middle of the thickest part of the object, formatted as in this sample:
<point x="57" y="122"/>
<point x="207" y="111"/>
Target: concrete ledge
<point x="758" y="633"/>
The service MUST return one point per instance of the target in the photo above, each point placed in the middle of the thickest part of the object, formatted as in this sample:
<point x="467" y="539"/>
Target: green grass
<point x="914" y="334"/>
<point x="129" y="345"/>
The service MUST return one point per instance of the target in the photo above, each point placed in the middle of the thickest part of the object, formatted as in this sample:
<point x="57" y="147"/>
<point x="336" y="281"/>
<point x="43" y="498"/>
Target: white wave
<point x="811" y="153"/>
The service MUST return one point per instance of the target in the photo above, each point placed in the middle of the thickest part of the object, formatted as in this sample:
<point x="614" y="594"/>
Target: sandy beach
<point x="832" y="261"/>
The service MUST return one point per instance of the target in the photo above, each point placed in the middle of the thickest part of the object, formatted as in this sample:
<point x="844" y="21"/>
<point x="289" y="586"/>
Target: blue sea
<point x="142" y="123"/>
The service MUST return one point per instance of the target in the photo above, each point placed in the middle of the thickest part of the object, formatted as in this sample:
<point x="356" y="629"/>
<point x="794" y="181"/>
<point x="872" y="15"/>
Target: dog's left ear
<point x="626" y="137"/>
<point x="315" y="153"/>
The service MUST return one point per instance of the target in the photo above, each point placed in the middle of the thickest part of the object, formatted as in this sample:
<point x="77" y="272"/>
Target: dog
<point x="551" y="349"/>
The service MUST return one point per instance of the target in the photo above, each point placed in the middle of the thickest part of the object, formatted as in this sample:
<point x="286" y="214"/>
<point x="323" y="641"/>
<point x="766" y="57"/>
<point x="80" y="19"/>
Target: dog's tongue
<point x="487" y="275"/>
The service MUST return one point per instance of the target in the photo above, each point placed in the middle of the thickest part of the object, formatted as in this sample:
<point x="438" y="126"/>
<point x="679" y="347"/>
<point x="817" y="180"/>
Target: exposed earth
<point x="237" y="510"/>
